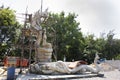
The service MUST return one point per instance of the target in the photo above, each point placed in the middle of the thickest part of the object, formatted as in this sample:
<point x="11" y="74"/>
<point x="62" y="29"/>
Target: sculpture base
<point x="44" y="54"/>
<point x="63" y="76"/>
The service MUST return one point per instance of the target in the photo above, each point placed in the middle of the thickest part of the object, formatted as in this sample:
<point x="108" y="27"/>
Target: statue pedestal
<point x="45" y="54"/>
<point x="61" y="76"/>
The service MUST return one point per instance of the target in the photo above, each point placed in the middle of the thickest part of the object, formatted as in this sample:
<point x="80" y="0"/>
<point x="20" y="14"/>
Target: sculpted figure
<point x="62" y="67"/>
<point x="45" y="43"/>
<point x="37" y="44"/>
<point x="39" y="17"/>
<point x="43" y="49"/>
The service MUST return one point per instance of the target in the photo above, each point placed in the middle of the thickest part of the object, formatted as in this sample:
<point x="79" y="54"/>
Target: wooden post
<point x="22" y="46"/>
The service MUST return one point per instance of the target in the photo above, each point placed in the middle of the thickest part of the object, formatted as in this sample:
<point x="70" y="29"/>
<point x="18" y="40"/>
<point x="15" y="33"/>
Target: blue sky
<point x="95" y="16"/>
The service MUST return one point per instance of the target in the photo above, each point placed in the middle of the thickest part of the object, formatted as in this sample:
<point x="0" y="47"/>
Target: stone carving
<point x="63" y="67"/>
<point x="43" y="49"/>
<point x="37" y="45"/>
<point x="39" y="17"/>
<point x="44" y="52"/>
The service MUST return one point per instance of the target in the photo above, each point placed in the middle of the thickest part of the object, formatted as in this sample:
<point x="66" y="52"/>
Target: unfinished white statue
<point x="43" y="49"/>
<point x="37" y="44"/>
<point x="62" y="67"/>
<point x="39" y="17"/>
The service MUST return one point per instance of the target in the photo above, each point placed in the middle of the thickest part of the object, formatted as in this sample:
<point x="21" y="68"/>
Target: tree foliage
<point x="112" y="46"/>
<point x="64" y="33"/>
<point x="107" y="47"/>
<point x="90" y="47"/>
<point x="8" y="30"/>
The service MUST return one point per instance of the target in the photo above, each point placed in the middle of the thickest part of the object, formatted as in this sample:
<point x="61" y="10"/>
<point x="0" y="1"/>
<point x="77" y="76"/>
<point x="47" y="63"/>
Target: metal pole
<point x="21" y="59"/>
<point x="30" y="50"/>
<point x="41" y="5"/>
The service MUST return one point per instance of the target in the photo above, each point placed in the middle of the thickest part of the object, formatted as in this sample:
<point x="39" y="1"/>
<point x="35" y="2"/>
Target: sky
<point x="95" y="16"/>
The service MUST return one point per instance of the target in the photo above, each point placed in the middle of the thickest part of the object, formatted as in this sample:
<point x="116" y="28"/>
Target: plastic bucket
<point x="10" y="73"/>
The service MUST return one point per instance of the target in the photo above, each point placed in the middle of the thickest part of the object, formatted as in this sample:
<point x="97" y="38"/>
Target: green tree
<point x="112" y="46"/>
<point x="64" y="33"/>
<point x="90" y="48"/>
<point x="8" y="30"/>
<point x="116" y="49"/>
<point x="107" y="47"/>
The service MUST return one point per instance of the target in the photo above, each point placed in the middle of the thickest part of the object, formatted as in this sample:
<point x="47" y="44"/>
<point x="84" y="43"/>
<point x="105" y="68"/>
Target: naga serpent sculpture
<point x="62" y="67"/>
<point x="59" y="66"/>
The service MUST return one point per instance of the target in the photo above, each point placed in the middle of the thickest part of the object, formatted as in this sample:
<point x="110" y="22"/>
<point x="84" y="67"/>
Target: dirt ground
<point x="108" y="75"/>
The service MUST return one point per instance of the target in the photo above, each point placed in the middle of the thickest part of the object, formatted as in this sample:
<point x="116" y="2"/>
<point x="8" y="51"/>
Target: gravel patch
<point x="108" y="75"/>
